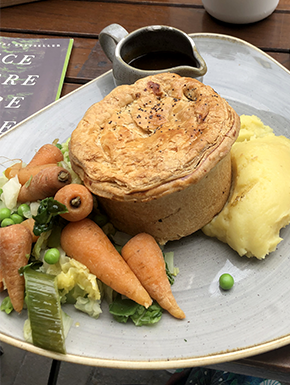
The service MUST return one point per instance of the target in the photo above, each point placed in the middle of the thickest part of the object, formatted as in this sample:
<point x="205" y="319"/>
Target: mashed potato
<point x="259" y="203"/>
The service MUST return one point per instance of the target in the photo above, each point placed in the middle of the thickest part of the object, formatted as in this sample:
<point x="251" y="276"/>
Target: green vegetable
<point x="44" y="310"/>
<point x="73" y="294"/>
<point x="125" y="309"/>
<point x="48" y="209"/>
<point x="33" y="264"/>
<point x="171" y="270"/>
<point x="51" y="256"/>
<point x="108" y="293"/>
<point x="40" y="244"/>
<point x="6" y="305"/>
<point x="109" y="229"/>
<point x="7" y="222"/>
<point x="89" y="306"/>
<point x="16" y="218"/>
<point x="148" y="316"/>
<point x="101" y="219"/>
<point x="23" y="210"/>
<point x="66" y="320"/>
<point x="54" y="238"/>
<point x="122" y="309"/>
<point x="226" y="281"/>
<point x="72" y="276"/>
<point x="67" y="164"/>
<point x="120" y="238"/>
<point x="4" y="213"/>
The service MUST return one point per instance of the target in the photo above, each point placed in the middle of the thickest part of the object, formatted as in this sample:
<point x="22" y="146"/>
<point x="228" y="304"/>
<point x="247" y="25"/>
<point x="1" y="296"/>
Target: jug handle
<point x="109" y="37"/>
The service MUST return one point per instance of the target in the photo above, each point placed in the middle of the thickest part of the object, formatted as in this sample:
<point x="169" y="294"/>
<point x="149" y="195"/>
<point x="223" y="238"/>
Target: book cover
<point x="32" y="73"/>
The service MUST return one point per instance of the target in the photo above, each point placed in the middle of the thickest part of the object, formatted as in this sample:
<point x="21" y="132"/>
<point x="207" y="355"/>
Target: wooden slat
<point x="69" y="87"/>
<point x="179" y="3"/>
<point x="9" y="3"/>
<point x="84" y="18"/>
<point x="283" y="5"/>
<point x="96" y="64"/>
<point x="282" y="58"/>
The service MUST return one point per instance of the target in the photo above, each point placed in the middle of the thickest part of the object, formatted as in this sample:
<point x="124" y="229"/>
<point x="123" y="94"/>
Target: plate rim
<point x="238" y="40"/>
<point x="158" y="364"/>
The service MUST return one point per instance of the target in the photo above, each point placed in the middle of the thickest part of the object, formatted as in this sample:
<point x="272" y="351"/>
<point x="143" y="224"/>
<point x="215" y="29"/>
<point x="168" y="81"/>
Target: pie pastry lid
<point x="152" y="138"/>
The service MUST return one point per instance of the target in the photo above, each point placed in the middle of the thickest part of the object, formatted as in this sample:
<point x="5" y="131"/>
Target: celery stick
<point x="44" y="310"/>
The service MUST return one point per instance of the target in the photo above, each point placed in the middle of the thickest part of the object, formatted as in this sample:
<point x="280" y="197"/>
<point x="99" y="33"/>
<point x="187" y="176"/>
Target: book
<point x="32" y="73"/>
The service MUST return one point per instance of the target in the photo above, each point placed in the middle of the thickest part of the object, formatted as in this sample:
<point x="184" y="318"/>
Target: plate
<point x="251" y="318"/>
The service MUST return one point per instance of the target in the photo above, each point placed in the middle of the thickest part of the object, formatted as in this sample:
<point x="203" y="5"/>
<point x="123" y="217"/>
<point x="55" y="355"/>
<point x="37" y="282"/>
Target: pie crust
<point x="157" y="154"/>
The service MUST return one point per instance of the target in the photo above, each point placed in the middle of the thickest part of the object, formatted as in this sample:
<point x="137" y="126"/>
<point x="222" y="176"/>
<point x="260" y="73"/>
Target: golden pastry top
<point x="153" y="137"/>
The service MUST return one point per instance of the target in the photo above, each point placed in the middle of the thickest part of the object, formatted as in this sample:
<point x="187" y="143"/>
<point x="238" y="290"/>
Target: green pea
<point x="23" y="210"/>
<point x="16" y="218"/>
<point x="226" y="281"/>
<point x="7" y="222"/>
<point x="4" y="213"/>
<point x="52" y="256"/>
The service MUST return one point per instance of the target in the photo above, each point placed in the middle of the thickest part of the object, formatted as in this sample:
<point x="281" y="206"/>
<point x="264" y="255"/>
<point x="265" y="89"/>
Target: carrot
<point x="48" y="153"/>
<point x="29" y="224"/>
<point x="77" y="199"/>
<point x="87" y="243"/>
<point x="25" y="173"/>
<point x="13" y="170"/>
<point x="44" y="184"/>
<point x="145" y="258"/>
<point x="15" y="247"/>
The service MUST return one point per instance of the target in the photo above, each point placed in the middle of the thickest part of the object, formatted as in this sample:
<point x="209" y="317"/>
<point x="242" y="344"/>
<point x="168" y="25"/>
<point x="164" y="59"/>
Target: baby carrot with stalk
<point x="145" y="258"/>
<point x="25" y="173"/>
<point x="48" y="153"/>
<point x="13" y="170"/>
<point x="86" y="242"/>
<point x="44" y="184"/>
<point x="77" y="199"/>
<point x="15" y="247"/>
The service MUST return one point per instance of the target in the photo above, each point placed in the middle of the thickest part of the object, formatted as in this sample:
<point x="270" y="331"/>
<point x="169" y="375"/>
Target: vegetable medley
<point x="57" y="246"/>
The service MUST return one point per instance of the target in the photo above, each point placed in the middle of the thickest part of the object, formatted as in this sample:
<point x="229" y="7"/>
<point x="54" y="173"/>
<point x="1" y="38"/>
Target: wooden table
<point x="83" y="20"/>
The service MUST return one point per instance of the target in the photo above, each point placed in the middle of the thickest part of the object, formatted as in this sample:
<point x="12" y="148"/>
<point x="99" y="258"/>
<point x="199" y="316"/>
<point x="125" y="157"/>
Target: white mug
<point x="240" y="11"/>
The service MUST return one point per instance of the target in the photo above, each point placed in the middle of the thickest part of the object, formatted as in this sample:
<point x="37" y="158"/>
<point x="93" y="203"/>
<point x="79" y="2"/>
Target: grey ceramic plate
<point x="220" y="326"/>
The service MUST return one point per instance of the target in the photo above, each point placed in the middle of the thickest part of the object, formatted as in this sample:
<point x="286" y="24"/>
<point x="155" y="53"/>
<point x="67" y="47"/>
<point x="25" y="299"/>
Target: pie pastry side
<point x="157" y="154"/>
